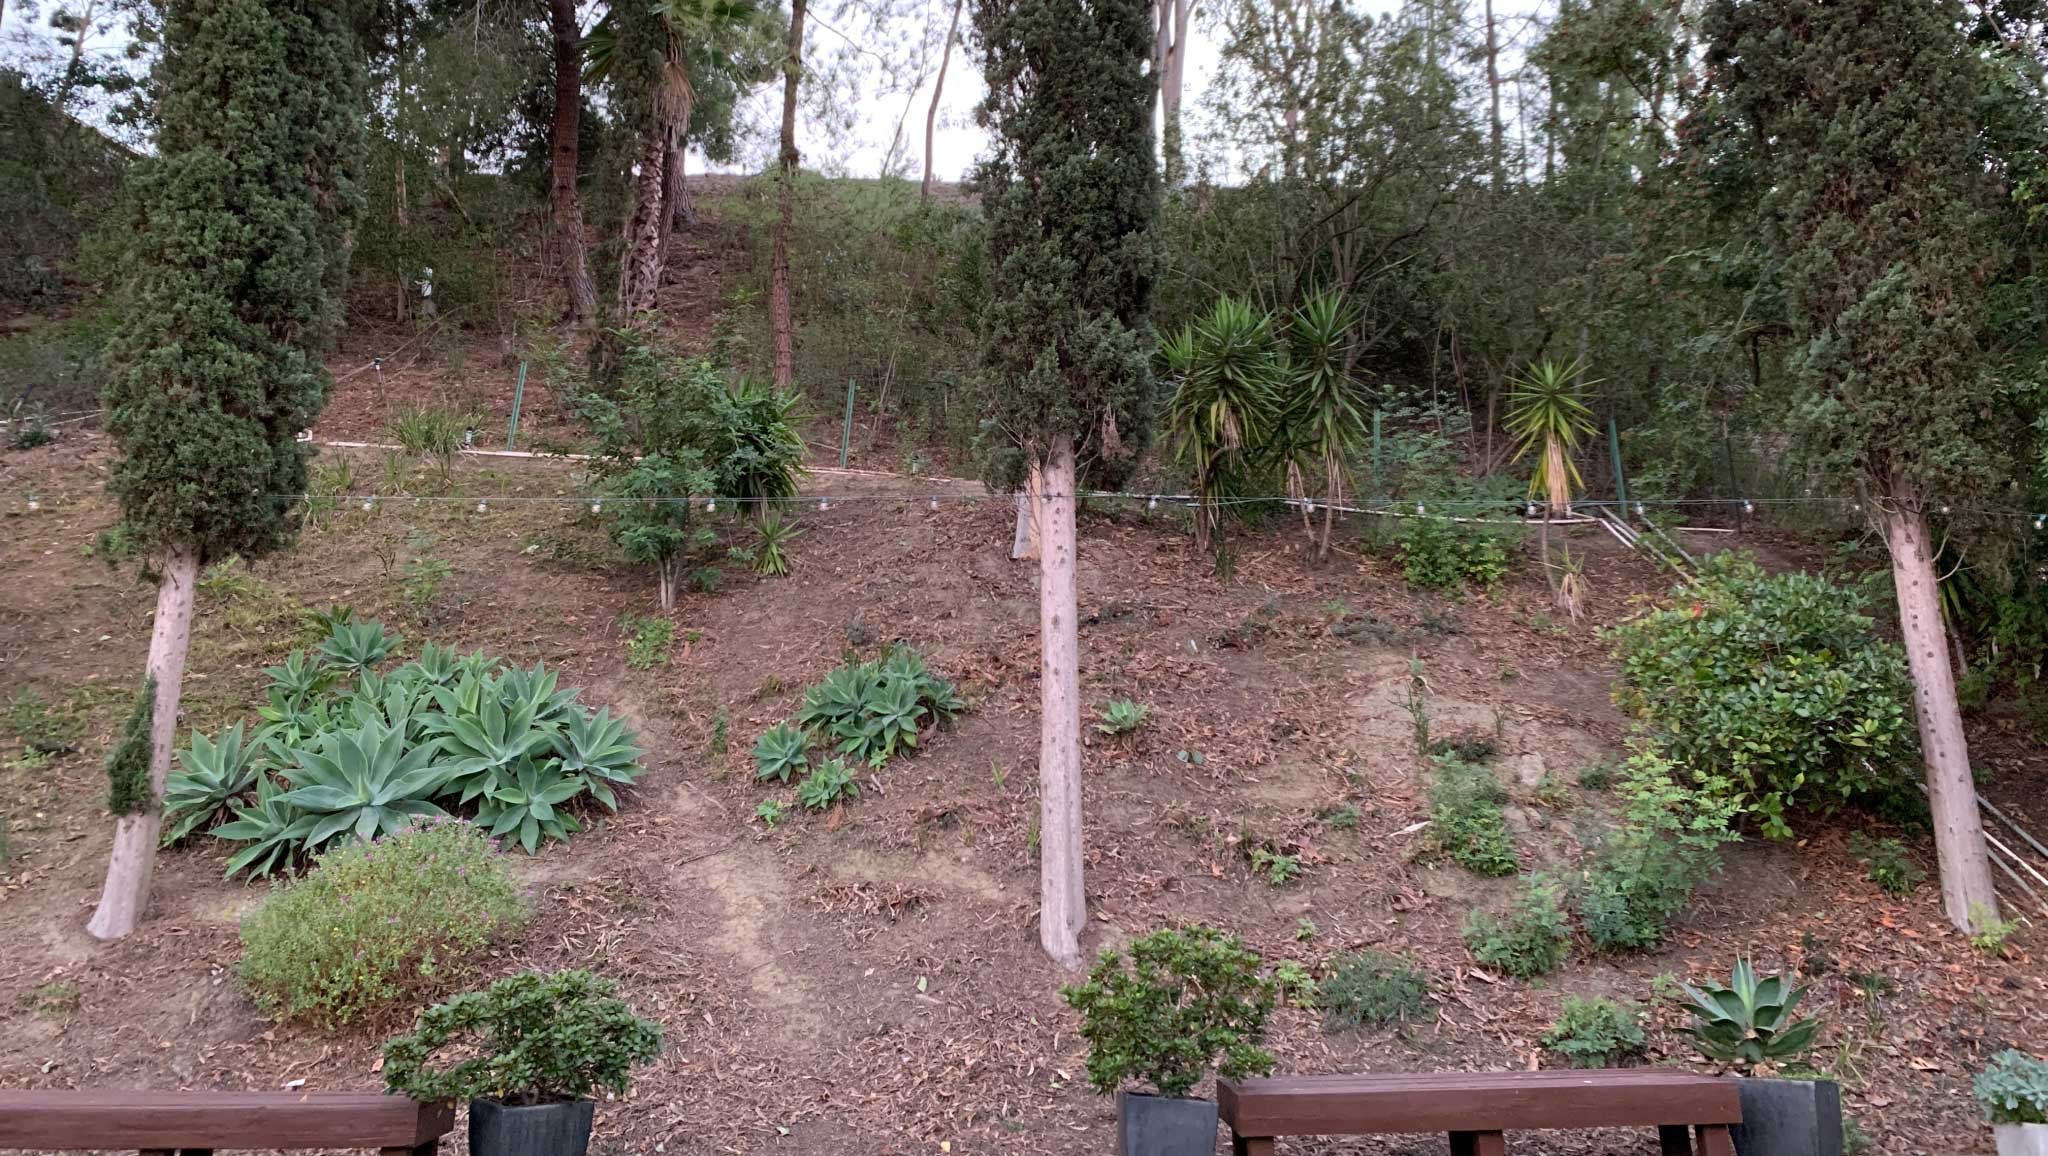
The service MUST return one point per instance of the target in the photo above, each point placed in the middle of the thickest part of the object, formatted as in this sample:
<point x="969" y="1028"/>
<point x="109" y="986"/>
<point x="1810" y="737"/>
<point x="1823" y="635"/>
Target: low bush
<point x="1183" y="1002"/>
<point x="1530" y="939"/>
<point x="1776" y="686"/>
<point x="1439" y="554"/>
<point x="1887" y="864"/>
<point x="532" y="1039"/>
<point x="1465" y="818"/>
<point x="1633" y="886"/>
<point x="376" y="927"/>
<point x="1596" y="1032"/>
<point x="647" y="641"/>
<point x="2013" y="1089"/>
<point x="1372" y="988"/>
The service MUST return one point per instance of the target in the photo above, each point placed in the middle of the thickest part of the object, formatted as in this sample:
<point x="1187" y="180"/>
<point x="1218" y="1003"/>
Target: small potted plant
<point x="2014" y="1093"/>
<point x="538" y="1046"/>
<point x="1184" y="1002"/>
<point x="1749" y="1026"/>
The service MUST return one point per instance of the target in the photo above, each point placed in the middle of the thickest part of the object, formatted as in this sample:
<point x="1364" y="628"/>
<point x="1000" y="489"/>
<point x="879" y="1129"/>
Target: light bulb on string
<point x="1418" y="508"/>
<point x="369" y="503"/>
<point x="597" y="507"/>
<point x="1152" y="503"/>
<point x="483" y="507"/>
<point x="935" y="504"/>
<point x="1748" y="507"/>
<point x="34" y="504"/>
<point x="711" y="506"/>
<point x="824" y="504"/>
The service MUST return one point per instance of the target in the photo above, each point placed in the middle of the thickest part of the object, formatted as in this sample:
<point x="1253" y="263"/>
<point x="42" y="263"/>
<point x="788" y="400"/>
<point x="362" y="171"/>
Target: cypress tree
<point x="1856" y="127"/>
<point x="236" y="253"/>
<point x="1069" y="194"/>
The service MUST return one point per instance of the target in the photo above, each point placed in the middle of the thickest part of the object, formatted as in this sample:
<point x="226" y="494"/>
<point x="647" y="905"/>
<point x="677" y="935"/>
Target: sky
<point x="859" y="142"/>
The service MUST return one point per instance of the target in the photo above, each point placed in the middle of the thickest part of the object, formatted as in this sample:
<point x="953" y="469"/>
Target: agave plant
<point x="1750" y="1021"/>
<point x="783" y="750"/>
<point x="299" y="677"/>
<point x="536" y="689"/>
<point x="212" y="775"/>
<point x="365" y="779"/>
<point x="837" y="701"/>
<point x="933" y="691"/>
<point x="889" y="720"/>
<point x="1227" y="373"/>
<point x="826" y="785"/>
<point x="273" y="827"/>
<point x="524" y="804"/>
<point x="480" y="743"/>
<point x="357" y="646"/>
<point x="600" y="749"/>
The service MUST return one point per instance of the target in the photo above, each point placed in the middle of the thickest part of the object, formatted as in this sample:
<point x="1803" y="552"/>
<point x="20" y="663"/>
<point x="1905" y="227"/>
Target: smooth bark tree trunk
<point x="1169" y="67"/>
<point x="1062" y="900"/>
<point x="931" y="116"/>
<point x="646" y="228"/>
<point x="1967" y="892"/>
<point x="563" y="149"/>
<point x="785" y="204"/>
<point x="1493" y="93"/>
<point x="133" y="859"/>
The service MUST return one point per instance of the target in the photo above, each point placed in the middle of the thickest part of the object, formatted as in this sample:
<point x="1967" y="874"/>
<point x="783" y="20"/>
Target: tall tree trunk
<point x="1062" y="910"/>
<point x="931" y="116"/>
<point x="568" y="203"/>
<point x="1493" y="93"/>
<point x="785" y="203"/>
<point x="1169" y="67"/>
<point x="675" y="187"/>
<point x="646" y="231"/>
<point x="1967" y="893"/>
<point x="133" y="860"/>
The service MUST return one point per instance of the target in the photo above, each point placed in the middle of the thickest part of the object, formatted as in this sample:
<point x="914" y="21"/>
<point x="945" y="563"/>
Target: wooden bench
<point x="1477" y="1108"/>
<point x="198" y="1123"/>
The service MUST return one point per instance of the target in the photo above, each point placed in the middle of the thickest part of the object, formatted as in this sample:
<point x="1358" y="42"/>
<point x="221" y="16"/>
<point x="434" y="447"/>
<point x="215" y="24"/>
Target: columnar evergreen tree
<point x="1070" y="194"/>
<point x="1857" y="127"/>
<point x="239" y="239"/>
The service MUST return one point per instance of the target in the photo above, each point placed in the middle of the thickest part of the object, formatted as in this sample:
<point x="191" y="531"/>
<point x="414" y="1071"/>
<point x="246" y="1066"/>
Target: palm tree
<point x="1323" y="424"/>
<point x="1227" y="372"/>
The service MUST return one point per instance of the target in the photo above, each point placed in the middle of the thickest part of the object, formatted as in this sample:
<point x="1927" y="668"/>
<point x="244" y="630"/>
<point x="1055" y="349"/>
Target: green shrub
<point x="1279" y="867"/>
<point x="2013" y="1089"/>
<point x="1530" y="939"/>
<point x="536" y="1039"/>
<point x="1439" y="554"/>
<point x="1372" y="988"/>
<point x="1636" y="883"/>
<point x="1750" y="1021"/>
<point x="1465" y="819"/>
<point x="1596" y="1032"/>
<point x="1886" y="863"/>
<point x="1184" y="1002"/>
<point x="1780" y="683"/>
<point x="375" y="927"/>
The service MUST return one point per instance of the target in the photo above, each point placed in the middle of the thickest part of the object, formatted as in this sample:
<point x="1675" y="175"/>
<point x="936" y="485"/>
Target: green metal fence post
<point x="846" y="430"/>
<point x="518" y="395"/>
<point x="1620" y="483"/>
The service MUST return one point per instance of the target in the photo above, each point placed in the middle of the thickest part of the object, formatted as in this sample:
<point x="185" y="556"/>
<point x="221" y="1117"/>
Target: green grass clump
<point x="1465" y="818"/>
<point x="1372" y="988"/>
<point x="1530" y="939"/>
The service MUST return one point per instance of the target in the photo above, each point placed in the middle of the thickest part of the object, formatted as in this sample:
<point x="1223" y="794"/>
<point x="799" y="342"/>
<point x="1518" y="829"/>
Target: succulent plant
<point x="1750" y="1021"/>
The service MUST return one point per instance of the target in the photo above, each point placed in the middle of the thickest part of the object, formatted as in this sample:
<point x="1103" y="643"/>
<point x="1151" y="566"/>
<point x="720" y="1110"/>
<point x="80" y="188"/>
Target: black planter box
<point x="1789" y="1118"/>
<point x="561" y="1129"/>
<point x="1164" y="1126"/>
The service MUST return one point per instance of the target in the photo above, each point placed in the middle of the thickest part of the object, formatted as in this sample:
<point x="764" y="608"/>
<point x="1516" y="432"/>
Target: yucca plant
<point x="211" y="776"/>
<point x="1749" y="1022"/>
<point x="1547" y="418"/>
<point x="1322" y="422"/>
<point x="1227" y="375"/>
<point x="772" y="558"/>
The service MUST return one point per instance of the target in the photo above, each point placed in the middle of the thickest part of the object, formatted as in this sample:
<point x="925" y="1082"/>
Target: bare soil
<point x="868" y="981"/>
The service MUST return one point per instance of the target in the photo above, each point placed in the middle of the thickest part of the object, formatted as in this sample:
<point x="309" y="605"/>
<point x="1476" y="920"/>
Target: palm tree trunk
<point x="640" y="267"/>
<point x="568" y="203"/>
